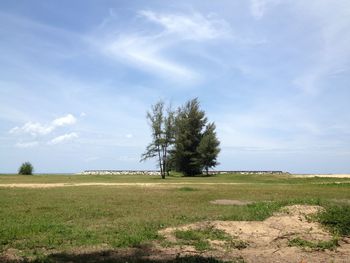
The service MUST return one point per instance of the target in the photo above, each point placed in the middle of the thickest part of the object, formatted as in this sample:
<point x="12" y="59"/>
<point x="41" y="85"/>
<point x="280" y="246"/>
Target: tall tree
<point x="189" y="123"/>
<point x="162" y="126"/>
<point x="208" y="148"/>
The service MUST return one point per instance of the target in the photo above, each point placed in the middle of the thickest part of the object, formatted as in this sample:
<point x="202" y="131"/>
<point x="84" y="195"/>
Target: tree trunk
<point x="160" y="164"/>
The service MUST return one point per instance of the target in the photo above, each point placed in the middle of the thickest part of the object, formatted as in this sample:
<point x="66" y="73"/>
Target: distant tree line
<point x="182" y="140"/>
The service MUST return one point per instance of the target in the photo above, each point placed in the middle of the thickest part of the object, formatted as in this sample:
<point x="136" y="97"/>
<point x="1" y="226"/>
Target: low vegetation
<point x="337" y="218"/>
<point x="33" y="222"/>
<point x="320" y="245"/>
<point x="199" y="238"/>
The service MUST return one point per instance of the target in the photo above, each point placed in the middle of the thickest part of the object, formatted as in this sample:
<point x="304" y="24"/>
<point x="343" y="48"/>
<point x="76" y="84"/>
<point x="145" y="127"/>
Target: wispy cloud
<point x="258" y="8"/>
<point x="63" y="138"/>
<point x="36" y="128"/>
<point x="26" y="144"/>
<point x="192" y="27"/>
<point x="252" y="68"/>
<point x="144" y="54"/>
<point x="149" y="51"/>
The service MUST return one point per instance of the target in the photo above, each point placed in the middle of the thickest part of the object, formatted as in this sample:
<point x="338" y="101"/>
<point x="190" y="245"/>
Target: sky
<point x="77" y="78"/>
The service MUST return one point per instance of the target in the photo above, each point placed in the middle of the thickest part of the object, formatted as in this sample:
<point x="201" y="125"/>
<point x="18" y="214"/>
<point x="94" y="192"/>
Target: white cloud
<point x="194" y="27"/>
<point x="36" y="128"/>
<point x="33" y="128"/>
<point x="64" y="138"/>
<point x="258" y="8"/>
<point x="144" y="53"/>
<point x="66" y="120"/>
<point x="147" y="51"/>
<point x="26" y="144"/>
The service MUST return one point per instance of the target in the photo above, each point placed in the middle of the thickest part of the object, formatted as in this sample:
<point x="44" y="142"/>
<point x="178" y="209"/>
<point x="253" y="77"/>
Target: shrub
<point x="337" y="218"/>
<point x="26" y="169"/>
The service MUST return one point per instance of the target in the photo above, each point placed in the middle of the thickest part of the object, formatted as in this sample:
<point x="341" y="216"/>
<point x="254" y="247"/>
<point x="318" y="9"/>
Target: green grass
<point x="199" y="238"/>
<point x="320" y="245"/>
<point x="337" y="218"/>
<point x="37" y="221"/>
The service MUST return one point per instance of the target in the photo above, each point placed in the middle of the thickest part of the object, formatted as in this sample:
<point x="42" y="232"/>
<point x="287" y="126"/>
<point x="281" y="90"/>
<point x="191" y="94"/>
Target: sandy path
<point x="53" y="185"/>
<point x="321" y="175"/>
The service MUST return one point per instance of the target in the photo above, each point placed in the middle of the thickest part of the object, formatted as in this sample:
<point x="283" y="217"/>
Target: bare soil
<point x="268" y="241"/>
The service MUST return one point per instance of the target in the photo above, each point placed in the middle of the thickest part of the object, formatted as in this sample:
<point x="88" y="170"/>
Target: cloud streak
<point x="191" y="27"/>
<point x="26" y="144"/>
<point x="63" y="138"/>
<point x="144" y="54"/>
<point x="148" y="51"/>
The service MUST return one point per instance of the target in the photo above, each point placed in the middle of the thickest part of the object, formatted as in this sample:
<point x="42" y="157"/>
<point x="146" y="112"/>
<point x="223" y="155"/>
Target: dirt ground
<point x="268" y="241"/>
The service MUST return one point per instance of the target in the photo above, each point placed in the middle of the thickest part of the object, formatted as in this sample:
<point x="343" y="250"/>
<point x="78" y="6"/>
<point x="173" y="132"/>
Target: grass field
<point x="37" y="222"/>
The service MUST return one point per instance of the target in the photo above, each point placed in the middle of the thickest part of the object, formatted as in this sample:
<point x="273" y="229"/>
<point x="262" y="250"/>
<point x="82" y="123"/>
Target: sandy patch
<point x="268" y="241"/>
<point x="165" y="184"/>
<point x="321" y="175"/>
<point x="54" y="185"/>
<point x="230" y="202"/>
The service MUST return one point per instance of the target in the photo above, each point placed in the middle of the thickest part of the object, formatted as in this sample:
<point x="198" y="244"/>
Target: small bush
<point x="26" y="169"/>
<point x="337" y="218"/>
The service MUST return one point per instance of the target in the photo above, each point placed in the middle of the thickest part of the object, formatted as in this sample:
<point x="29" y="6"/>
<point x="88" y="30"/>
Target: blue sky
<point x="77" y="77"/>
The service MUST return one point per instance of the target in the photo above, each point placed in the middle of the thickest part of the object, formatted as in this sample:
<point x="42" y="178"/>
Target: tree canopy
<point x="162" y="126"/>
<point x="182" y="140"/>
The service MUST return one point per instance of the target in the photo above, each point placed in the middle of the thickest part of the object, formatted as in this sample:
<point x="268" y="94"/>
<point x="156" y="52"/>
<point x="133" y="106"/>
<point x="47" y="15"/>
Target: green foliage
<point x="194" y="149"/>
<point x="26" y="169"/>
<point x="182" y="141"/>
<point x="337" y="218"/>
<point x="319" y="245"/>
<point x="208" y="148"/>
<point x="162" y="126"/>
